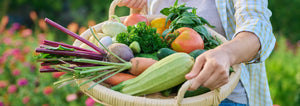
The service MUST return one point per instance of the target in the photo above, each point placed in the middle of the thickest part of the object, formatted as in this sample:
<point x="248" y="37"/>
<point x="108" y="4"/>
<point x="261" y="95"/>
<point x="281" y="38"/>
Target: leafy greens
<point x="180" y="16"/>
<point x="146" y="36"/>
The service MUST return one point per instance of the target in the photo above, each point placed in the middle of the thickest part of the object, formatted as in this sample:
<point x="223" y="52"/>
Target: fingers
<point x="132" y="2"/>
<point x="123" y="3"/>
<point x="219" y="85"/>
<point x="211" y="69"/>
<point x="196" y="68"/>
<point x="203" y="76"/>
<point x="143" y="4"/>
<point x="218" y="79"/>
<point x="136" y="4"/>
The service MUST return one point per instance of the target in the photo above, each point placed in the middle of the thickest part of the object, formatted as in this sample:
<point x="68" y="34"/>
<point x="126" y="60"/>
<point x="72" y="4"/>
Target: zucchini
<point x="162" y="75"/>
<point x="164" y="52"/>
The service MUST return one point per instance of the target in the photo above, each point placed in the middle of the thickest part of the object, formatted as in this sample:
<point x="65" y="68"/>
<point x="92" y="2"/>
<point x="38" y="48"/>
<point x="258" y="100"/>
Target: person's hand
<point x="211" y="69"/>
<point x="135" y="4"/>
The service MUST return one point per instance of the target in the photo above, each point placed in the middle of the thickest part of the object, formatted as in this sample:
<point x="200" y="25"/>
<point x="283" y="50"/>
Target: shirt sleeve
<point x="254" y="16"/>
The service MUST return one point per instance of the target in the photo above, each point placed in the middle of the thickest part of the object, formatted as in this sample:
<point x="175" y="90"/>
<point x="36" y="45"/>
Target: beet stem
<point x="56" y="44"/>
<point x="71" y="62"/>
<point x="71" y="53"/>
<point x="48" y="70"/>
<point x="65" y="30"/>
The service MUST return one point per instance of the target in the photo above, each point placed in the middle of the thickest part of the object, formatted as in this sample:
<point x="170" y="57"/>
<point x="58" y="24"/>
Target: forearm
<point x="244" y="47"/>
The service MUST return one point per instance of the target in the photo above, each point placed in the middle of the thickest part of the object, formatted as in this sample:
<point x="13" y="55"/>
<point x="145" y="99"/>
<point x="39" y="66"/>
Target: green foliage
<point x="62" y="11"/>
<point x="146" y="36"/>
<point x="283" y="75"/>
<point x="285" y="19"/>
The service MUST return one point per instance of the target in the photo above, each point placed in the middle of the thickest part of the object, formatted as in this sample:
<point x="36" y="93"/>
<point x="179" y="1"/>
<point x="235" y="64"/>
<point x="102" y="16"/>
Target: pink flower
<point x="48" y="90"/>
<point x="15" y="26"/>
<point x="57" y="74"/>
<point x="18" y="43"/>
<point x="81" y="30"/>
<point x="1" y="103"/>
<point x="12" y="89"/>
<point x="16" y="72"/>
<point x="4" y="20"/>
<point x="26" y="32"/>
<point x="26" y="99"/>
<point x="89" y="102"/>
<point x="73" y="27"/>
<point x="43" y="25"/>
<point x="5" y="55"/>
<point x="3" y="23"/>
<point x="22" y="82"/>
<point x="45" y="105"/>
<point x="32" y="68"/>
<point x="41" y="38"/>
<point x="18" y="55"/>
<point x="26" y="64"/>
<point x="26" y="49"/>
<point x="71" y="97"/>
<point x="7" y="40"/>
<point x="33" y="15"/>
<point x="3" y="84"/>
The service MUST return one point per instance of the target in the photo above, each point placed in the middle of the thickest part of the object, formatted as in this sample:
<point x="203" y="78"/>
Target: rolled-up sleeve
<point x="254" y="16"/>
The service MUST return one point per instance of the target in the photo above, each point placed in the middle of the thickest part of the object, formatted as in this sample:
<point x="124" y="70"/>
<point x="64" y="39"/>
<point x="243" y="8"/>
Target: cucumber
<point x="196" y="53"/>
<point x="166" y="92"/>
<point x="199" y="91"/>
<point x="164" y="52"/>
<point x="147" y="55"/>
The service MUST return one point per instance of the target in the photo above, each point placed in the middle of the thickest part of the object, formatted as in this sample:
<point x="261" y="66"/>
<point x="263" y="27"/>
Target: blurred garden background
<point x="22" y="29"/>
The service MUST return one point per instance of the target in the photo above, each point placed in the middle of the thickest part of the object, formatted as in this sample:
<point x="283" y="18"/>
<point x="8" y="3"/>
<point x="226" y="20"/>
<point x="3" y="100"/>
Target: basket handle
<point x="132" y="11"/>
<point x="187" y="84"/>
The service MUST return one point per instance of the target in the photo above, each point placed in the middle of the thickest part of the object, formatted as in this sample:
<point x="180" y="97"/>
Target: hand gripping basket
<point x="106" y="96"/>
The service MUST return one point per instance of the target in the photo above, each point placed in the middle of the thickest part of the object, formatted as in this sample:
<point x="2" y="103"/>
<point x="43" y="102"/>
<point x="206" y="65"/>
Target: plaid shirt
<point x="252" y="16"/>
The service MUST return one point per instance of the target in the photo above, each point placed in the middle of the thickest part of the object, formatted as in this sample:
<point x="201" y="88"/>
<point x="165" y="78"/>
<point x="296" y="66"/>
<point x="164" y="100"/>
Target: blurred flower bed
<point x="20" y="80"/>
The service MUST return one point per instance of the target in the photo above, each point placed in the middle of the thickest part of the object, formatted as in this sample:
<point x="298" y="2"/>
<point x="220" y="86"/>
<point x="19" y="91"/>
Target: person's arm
<point x="211" y="69"/>
<point x="253" y="36"/>
<point x="243" y="48"/>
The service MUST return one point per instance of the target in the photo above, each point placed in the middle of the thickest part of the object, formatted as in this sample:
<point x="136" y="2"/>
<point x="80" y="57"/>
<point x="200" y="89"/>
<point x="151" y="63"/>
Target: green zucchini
<point x="162" y="75"/>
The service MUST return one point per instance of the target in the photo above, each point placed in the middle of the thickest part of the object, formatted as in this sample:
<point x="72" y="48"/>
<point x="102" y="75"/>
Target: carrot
<point x="140" y="64"/>
<point x="118" y="78"/>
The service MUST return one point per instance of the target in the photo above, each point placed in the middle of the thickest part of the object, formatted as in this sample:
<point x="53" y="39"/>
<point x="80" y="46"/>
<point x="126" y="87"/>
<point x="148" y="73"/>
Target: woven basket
<point x="104" y="95"/>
